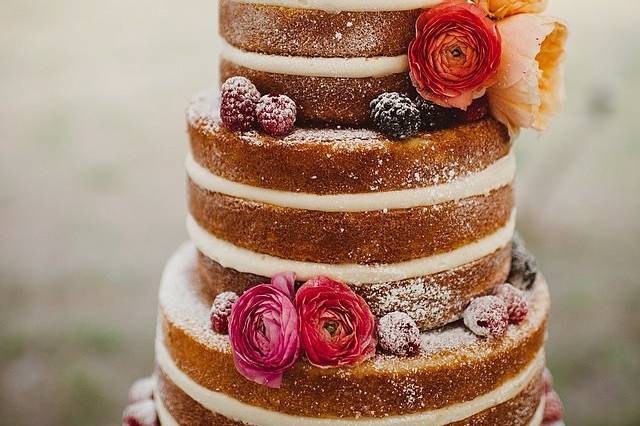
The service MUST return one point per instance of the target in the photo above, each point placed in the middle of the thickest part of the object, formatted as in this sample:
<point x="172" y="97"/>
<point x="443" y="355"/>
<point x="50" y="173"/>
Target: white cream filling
<point x="349" y="5"/>
<point x="234" y="409"/>
<point x="166" y="419"/>
<point x="497" y="175"/>
<point x="536" y="420"/>
<point x="361" y="67"/>
<point x="247" y="261"/>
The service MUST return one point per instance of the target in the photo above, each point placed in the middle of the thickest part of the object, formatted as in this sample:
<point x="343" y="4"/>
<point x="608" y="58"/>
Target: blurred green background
<point x="92" y="201"/>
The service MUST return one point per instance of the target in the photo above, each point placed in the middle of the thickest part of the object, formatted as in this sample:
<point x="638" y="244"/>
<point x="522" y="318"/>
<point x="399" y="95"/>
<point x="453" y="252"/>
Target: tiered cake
<point x="395" y="226"/>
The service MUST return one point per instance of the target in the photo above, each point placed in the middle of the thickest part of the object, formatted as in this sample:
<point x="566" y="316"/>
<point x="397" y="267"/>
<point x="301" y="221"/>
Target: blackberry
<point x="524" y="270"/>
<point x="395" y="115"/>
<point x="435" y="117"/>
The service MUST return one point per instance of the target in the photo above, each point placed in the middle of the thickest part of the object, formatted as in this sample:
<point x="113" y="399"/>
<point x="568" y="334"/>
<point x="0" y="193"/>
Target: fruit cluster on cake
<point x="353" y="259"/>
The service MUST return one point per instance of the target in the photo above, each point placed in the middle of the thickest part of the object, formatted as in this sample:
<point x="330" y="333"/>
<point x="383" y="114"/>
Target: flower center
<point x="456" y="52"/>
<point x="331" y="327"/>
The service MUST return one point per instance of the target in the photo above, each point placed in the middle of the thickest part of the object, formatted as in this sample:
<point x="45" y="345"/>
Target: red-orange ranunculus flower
<point x="455" y="54"/>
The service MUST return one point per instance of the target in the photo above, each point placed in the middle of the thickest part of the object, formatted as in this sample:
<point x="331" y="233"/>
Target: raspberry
<point x="478" y="109"/>
<point x="553" y="408"/>
<point x="399" y="334"/>
<point x="524" y="270"/>
<point x="395" y="115"/>
<point x="142" y="389"/>
<point x="142" y="413"/>
<point x="238" y="102"/>
<point x="276" y="114"/>
<point x="487" y="316"/>
<point x="220" y="311"/>
<point x="515" y="301"/>
<point x="435" y="117"/>
<point x="547" y="380"/>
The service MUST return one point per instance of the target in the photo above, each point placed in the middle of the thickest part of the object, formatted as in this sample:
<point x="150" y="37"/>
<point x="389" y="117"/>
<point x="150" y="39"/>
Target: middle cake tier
<point x="420" y="226"/>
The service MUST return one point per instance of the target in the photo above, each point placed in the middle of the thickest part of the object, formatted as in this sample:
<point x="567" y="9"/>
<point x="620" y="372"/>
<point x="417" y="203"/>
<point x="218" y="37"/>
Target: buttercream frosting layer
<point x="346" y="161"/>
<point x="370" y="237"/>
<point x="175" y="407"/>
<point x="306" y="32"/>
<point x="243" y="260"/>
<point x="454" y="366"/>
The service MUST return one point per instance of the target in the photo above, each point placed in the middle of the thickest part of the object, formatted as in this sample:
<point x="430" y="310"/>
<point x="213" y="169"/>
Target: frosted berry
<point x="142" y="389"/>
<point x="142" y="413"/>
<point x="220" y="311"/>
<point x="553" y="407"/>
<point x="276" y="114"/>
<point x="515" y="301"/>
<point x="487" y="316"/>
<point x="238" y="100"/>
<point x="435" y="117"/>
<point x="524" y="270"/>
<point x="547" y="381"/>
<point x="399" y="334"/>
<point x="395" y="115"/>
<point x="478" y="109"/>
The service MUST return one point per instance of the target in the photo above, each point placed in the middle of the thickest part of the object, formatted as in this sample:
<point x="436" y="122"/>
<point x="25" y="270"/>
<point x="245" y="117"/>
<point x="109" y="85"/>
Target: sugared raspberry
<point x="478" y="109"/>
<point x="553" y="407"/>
<point x="220" y="311"/>
<point x="238" y="100"/>
<point x="547" y="381"/>
<point x="399" y="334"/>
<point x="395" y="115"/>
<point x="276" y="114"/>
<point x="487" y="316"/>
<point x="142" y="413"/>
<point x="142" y="389"/>
<point x="523" y="271"/>
<point x="515" y="301"/>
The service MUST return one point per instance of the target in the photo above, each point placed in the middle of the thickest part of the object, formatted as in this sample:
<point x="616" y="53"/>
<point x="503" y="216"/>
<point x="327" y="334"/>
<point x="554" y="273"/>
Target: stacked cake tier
<point x="422" y="227"/>
<point x="331" y="64"/>
<point x="458" y="378"/>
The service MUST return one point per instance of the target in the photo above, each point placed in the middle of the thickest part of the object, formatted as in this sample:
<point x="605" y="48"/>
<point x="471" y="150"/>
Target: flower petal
<point x="530" y="87"/>
<point x="503" y="8"/>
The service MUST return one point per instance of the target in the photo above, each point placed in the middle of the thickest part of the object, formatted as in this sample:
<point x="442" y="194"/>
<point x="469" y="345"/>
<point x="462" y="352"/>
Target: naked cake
<point x="352" y="256"/>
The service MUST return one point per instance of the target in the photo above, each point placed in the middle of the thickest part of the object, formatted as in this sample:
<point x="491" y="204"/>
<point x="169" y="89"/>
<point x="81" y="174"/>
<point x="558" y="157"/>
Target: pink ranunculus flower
<point x="455" y="54"/>
<point x="530" y="85"/>
<point x="337" y="326"/>
<point x="264" y="331"/>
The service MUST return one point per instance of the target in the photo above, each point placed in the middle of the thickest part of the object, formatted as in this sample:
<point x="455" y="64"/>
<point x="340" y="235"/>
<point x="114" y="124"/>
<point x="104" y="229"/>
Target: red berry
<point x="238" y="100"/>
<point x="142" y="389"/>
<point x="478" y="109"/>
<point x="220" y="311"/>
<point x="515" y="301"/>
<point x="142" y="413"/>
<point x="399" y="334"/>
<point x="487" y="316"/>
<point x="553" y="408"/>
<point x="276" y="114"/>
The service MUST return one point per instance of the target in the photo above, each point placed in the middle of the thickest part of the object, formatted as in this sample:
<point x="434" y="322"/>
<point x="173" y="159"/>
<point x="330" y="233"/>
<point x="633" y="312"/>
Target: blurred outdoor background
<point x="92" y="142"/>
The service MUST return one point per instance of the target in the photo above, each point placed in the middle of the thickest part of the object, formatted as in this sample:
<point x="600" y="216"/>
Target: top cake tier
<point x="331" y="64"/>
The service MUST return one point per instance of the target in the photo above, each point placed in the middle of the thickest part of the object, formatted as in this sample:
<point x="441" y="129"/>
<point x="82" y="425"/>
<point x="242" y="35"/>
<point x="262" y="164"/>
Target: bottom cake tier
<point x="458" y="378"/>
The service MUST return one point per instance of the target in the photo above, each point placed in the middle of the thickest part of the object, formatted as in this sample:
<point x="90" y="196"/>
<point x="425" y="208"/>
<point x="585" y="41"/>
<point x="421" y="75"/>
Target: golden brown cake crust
<point x="304" y="32"/>
<point x="432" y="301"/>
<point x="341" y="161"/>
<point x="323" y="101"/>
<point x="350" y="237"/>
<point x="454" y="365"/>
<point x="517" y="411"/>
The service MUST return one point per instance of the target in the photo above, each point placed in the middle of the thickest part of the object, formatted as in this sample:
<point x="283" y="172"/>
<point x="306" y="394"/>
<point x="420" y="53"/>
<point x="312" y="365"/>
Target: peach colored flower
<point x="503" y="8"/>
<point x="530" y="85"/>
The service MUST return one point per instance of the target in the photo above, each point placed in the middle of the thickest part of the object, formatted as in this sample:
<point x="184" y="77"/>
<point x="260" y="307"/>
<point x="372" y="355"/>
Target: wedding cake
<point x="352" y="256"/>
